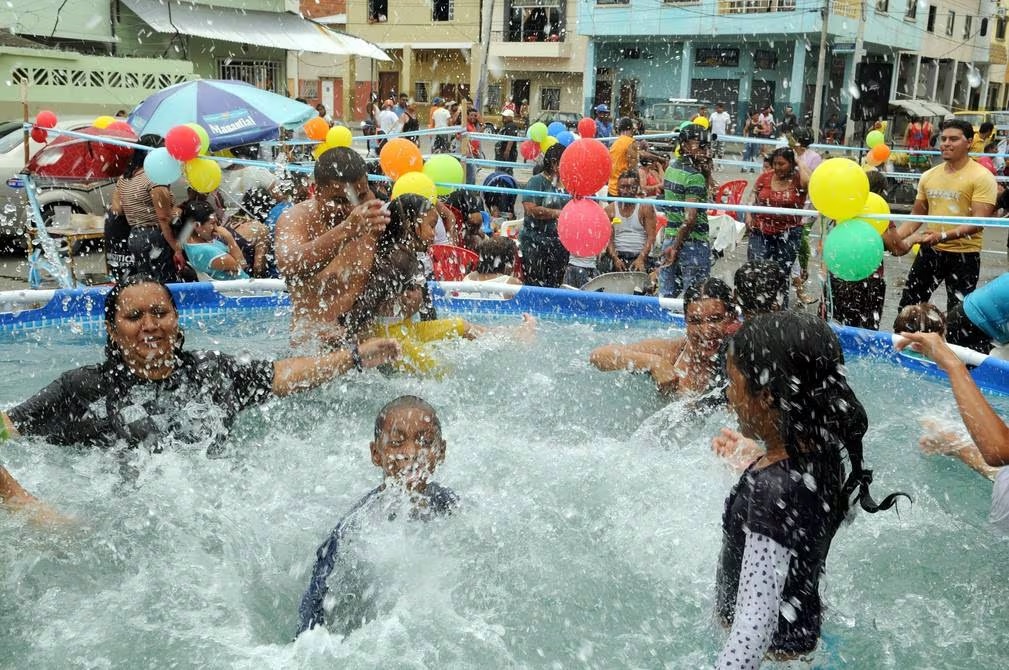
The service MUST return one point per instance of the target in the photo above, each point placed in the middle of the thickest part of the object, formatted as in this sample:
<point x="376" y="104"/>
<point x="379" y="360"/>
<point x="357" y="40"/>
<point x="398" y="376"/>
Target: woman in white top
<point x="633" y="227"/>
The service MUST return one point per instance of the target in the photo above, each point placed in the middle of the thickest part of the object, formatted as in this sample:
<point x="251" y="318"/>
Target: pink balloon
<point x="529" y="150"/>
<point x="584" y="228"/>
<point x="585" y="167"/>
<point x="986" y="161"/>
<point x="587" y="128"/>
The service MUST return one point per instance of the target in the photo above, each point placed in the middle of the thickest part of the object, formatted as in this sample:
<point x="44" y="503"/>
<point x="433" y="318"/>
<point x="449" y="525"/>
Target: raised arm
<point x="300" y="255"/>
<point x="898" y="240"/>
<point x="989" y="432"/>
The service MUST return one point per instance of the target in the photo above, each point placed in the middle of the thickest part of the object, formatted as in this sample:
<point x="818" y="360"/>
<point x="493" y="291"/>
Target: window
<point x="911" y="10"/>
<point x="550" y="99"/>
<point x="716" y="57"/>
<point x="882" y="6"/>
<point x="534" y="21"/>
<point x="950" y="22"/>
<point x="967" y="26"/>
<point x="493" y="97"/>
<point x="764" y="59"/>
<point x="443" y="10"/>
<point x="309" y="89"/>
<point x="420" y="91"/>
<point x="1000" y="28"/>
<point x="264" y="74"/>
<point x="984" y="26"/>
<point x="378" y="11"/>
<point x="930" y="26"/>
<point x="612" y="2"/>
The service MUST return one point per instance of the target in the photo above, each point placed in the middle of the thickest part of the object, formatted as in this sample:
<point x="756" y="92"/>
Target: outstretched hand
<point x="378" y="351"/>
<point x="738" y="450"/>
<point x="931" y="345"/>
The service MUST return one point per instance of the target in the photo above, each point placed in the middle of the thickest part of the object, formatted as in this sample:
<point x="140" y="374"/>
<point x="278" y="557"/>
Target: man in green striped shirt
<point x="686" y="250"/>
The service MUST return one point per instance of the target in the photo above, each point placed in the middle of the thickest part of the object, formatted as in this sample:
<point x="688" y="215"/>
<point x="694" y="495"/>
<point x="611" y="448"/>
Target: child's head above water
<point x="497" y="256"/>
<point x="408" y="444"/>
<point x="921" y="318"/>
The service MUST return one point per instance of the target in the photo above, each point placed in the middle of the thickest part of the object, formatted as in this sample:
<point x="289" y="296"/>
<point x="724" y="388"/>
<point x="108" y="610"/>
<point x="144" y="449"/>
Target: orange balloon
<point x="400" y="156"/>
<point x="880" y="153"/>
<point x="316" y="129"/>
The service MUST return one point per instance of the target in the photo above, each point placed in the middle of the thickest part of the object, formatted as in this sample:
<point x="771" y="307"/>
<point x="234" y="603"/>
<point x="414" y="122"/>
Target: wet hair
<point x="249" y="152"/>
<point x="959" y="124"/>
<point x="552" y="157"/>
<point x="877" y="182"/>
<point x="710" y="288"/>
<point x="986" y="127"/>
<point x="197" y="211"/>
<point x="257" y="203"/>
<point x="405" y="402"/>
<point x="113" y="353"/>
<point x="396" y="264"/>
<point x="761" y="287"/>
<point x="139" y="155"/>
<point x="339" y="165"/>
<point x="624" y="124"/>
<point x="630" y="174"/>
<point x="921" y="318"/>
<point x="497" y="254"/>
<point x="797" y="359"/>
<point x="787" y="154"/>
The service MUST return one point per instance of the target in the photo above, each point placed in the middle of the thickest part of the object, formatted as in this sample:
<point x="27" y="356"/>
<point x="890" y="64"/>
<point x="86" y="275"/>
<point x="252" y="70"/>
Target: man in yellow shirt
<point x="985" y="135"/>
<point x="623" y="153"/>
<point x="949" y="253"/>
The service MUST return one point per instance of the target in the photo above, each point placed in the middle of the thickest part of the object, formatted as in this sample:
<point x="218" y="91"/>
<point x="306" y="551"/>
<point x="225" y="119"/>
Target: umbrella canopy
<point x="232" y="112"/>
<point x="69" y="157"/>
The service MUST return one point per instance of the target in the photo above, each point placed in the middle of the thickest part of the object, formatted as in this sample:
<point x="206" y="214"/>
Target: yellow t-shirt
<point x="978" y="144"/>
<point x="618" y="156"/>
<point x="412" y="335"/>
<point x="951" y="194"/>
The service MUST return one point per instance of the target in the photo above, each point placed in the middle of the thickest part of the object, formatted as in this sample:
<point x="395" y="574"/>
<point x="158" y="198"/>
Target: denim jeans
<point x="782" y="248"/>
<point x="750" y="153"/>
<point x="577" y="276"/>
<point x="693" y="264"/>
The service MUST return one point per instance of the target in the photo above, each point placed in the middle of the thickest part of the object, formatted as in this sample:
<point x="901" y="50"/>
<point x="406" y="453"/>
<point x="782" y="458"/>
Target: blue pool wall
<point x="84" y="307"/>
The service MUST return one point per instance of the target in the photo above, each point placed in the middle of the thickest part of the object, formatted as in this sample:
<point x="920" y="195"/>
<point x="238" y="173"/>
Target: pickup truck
<point x="666" y="117"/>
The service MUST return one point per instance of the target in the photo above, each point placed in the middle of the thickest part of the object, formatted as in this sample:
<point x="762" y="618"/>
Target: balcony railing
<point x="755" y="6"/>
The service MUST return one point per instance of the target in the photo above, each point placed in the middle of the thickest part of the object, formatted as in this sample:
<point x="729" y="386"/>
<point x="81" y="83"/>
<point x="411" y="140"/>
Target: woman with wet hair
<point x="151" y="392"/>
<point x="788" y="388"/>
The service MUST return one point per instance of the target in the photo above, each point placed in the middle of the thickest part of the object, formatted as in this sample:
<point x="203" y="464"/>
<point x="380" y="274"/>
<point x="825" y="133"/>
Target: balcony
<point x="755" y="6"/>
<point x="530" y="49"/>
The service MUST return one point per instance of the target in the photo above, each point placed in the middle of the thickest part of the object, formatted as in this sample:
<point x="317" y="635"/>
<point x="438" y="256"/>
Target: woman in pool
<point x="787" y="386"/>
<point x="685" y="365"/>
<point x="148" y="390"/>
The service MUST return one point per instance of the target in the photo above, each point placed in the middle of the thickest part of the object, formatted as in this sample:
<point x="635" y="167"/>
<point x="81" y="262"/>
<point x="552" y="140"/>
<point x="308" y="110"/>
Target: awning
<point x="935" y="108"/>
<point x="280" y="30"/>
<point x="912" y="107"/>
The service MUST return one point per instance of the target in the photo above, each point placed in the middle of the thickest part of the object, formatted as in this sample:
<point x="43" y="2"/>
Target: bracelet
<point x="355" y="356"/>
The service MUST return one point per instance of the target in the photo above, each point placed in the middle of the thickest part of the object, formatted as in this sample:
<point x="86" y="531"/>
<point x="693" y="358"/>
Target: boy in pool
<point x="408" y="446"/>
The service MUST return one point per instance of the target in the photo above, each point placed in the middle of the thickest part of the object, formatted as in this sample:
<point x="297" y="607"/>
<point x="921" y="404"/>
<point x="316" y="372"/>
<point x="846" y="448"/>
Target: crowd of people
<point x="354" y="263"/>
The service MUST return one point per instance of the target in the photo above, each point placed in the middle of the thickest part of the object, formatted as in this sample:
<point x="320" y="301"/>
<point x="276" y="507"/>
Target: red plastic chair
<point x="452" y="263"/>
<point x="729" y="193"/>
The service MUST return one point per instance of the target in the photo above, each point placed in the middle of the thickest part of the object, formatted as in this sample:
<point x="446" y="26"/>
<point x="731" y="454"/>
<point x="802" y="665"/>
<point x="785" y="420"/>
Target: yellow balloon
<point x="104" y="121"/>
<point x="548" y="142"/>
<point x="702" y="121"/>
<point x="875" y="204"/>
<point x="319" y="150"/>
<point x="839" y="189"/>
<point x="339" y="136"/>
<point x="417" y="183"/>
<point x="203" y="174"/>
<point x="915" y="249"/>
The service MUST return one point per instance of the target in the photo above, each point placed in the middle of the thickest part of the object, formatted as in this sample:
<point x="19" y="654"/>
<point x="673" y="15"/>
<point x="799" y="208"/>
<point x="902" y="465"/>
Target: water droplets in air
<point x="854" y="91"/>
<point x="973" y="77"/>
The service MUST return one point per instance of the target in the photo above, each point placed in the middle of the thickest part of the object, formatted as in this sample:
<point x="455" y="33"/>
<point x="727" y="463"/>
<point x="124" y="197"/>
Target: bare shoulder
<point x="667" y="348"/>
<point x="294" y="221"/>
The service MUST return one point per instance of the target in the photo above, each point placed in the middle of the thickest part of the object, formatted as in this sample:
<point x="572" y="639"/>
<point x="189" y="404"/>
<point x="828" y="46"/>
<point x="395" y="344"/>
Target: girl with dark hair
<point x="777" y="237"/>
<point x="210" y="248"/>
<point x="690" y="365"/>
<point x="148" y="210"/>
<point x="148" y="389"/>
<point x="787" y="386"/>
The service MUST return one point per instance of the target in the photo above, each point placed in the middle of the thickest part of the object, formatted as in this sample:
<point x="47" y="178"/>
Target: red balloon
<point x="587" y="128"/>
<point x="40" y="135"/>
<point x="987" y="163"/>
<point x="45" y="119"/>
<point x="183" y="143"/>
<point x="585" y="167"/>
<point x="583" y="227"/>
<point x="529" y="150"/>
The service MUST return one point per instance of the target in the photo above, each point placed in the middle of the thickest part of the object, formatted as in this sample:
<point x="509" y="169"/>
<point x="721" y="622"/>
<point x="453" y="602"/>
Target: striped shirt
<point x="137" y="201"/>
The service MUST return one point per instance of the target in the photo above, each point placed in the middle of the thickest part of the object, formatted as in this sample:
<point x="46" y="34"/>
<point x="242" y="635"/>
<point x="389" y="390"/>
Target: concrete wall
<point x="79" y="19"/>
<point x="409" y="21"/>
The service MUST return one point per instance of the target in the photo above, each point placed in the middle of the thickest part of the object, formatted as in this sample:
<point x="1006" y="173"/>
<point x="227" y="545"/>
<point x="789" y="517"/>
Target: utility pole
<point x="487" y="16"/>
<point x="820" y="67"/>
<point x="849" y="126"/>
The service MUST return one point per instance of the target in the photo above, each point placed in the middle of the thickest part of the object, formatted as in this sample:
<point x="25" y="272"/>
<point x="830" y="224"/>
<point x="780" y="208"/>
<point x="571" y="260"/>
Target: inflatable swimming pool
<point x="588" y="534"/>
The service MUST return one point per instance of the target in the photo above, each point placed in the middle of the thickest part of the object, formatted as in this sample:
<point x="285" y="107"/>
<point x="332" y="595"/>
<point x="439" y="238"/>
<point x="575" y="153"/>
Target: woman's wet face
<point x="782" y="166"/>
<point x="425" y="228"/>
<point x="707" y="320"/>
<point x="146" y="324"/>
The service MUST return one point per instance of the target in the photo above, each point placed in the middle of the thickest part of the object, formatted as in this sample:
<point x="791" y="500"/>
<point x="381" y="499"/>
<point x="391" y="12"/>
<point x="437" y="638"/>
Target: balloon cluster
<point x="878" y="151"/>
<point x="44" y="120"/>
<point x="402" y="162"/>
<point x="184" y="146"/>
<point x="839" y="189"/>
<point x="317" y="129"/>
<point x="541" y="137"/>
<point x="583" y="227"/>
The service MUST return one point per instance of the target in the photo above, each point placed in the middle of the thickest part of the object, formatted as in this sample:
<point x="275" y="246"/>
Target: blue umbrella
<point x="232" y="112"/>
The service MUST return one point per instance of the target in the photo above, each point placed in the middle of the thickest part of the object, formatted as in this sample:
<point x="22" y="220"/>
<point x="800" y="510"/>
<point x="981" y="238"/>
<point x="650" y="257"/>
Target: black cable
<point x="57" y="22"/>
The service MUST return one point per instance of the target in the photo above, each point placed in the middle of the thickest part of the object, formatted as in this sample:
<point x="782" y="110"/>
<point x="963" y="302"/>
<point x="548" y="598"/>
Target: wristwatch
<point x="943" y="236"/>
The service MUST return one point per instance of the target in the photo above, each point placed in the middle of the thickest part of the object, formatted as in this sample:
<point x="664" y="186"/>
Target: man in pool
<point x="326" y="246"/>
<point x="408" y="446"/>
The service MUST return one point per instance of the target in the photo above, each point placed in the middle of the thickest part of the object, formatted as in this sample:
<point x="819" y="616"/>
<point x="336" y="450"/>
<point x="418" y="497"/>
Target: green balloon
<point x="685" y="124"/>
<point x="204" y="137"/>
<point x="853" y="250"/>
<point x="445" y="169"/>
<point x="537" y="131"/>
<point x="874" y="138"/>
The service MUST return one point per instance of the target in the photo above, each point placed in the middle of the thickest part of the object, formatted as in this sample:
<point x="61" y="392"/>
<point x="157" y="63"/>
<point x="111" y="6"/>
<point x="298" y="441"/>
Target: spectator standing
<point x="323" y="114"/>
<point x="686" y="250"/>
<point x="623" y="153"/>
<point x="507" y="151"/>
<point x="777" y="236"/>
<point x="720" y="125"/>
<point x="604" y="126"/>
<point x="752" y="149"/>
<point x="471" y="148"/>
<point x="388" y="118"/>
<point x="440" y="117"/>
<point x="984" y="136"/>
<point x="408" y="122"/>
<point x="544" y="258"/>
<point x="789" y="122"/>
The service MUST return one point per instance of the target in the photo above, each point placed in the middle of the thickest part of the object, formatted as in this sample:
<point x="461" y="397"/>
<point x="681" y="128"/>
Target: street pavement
<point x="91" y="265"/>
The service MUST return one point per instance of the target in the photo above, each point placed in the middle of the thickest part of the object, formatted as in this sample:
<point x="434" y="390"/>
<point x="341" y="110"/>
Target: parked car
<point x="82" y="197"/>
<point x="569" y="119"/>
<point x="667" y="117"/>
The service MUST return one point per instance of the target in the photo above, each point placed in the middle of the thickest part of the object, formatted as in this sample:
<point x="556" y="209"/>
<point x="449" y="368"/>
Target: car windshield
<point x="10" y="136"/>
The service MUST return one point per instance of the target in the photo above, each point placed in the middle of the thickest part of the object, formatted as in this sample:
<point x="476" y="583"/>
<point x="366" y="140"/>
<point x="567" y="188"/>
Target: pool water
<point x="587" y="537"/>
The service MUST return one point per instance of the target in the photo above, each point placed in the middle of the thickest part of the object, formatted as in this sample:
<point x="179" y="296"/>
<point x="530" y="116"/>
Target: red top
<point x="793" y="197"/>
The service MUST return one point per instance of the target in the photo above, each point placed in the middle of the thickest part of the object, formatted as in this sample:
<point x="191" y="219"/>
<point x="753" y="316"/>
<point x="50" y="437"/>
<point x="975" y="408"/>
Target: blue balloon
<point x="161" y="168"/>
<point x="556" y="128"/>
<point x="565" y="138"/>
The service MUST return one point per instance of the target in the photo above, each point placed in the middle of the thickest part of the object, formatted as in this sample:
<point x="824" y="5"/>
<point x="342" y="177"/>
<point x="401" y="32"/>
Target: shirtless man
<point x="326" y="246"/>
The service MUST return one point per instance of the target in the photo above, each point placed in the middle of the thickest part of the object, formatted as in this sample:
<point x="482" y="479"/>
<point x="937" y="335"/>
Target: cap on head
<point x="695" y="132"/>
<point x="602" y="109"/>
<point x="507" y="112"/>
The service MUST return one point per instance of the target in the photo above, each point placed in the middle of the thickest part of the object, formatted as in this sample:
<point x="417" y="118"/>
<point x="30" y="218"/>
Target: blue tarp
<point x="84" y="307"/>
